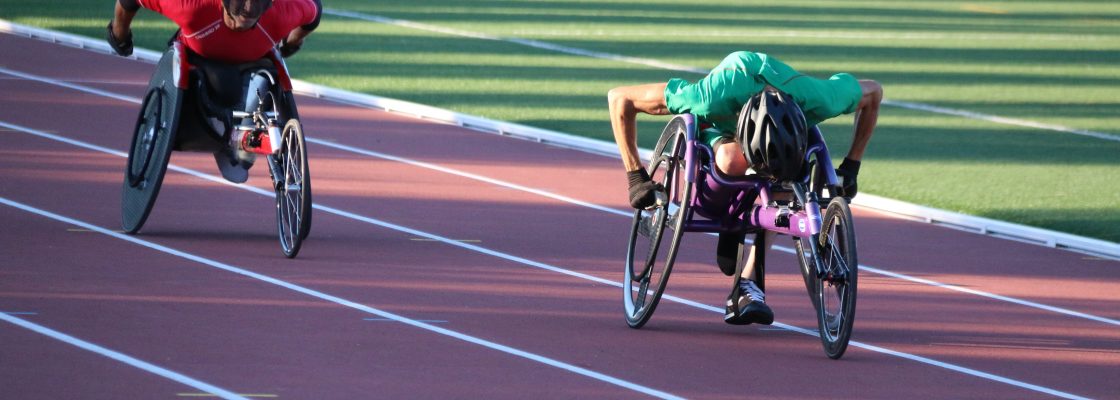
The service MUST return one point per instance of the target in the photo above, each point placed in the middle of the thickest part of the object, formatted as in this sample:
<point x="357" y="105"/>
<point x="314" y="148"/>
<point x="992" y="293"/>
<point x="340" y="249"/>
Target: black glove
<point x="643" y="191"/>
<point x="121" y="47"/>
<point x="847" y="171"/>
<point x="287" y="49"/>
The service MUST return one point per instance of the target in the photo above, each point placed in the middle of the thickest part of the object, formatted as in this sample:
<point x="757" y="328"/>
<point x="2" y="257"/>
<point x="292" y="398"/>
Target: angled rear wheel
<point x="652" y="250"/>
<point x="148" y="154"/>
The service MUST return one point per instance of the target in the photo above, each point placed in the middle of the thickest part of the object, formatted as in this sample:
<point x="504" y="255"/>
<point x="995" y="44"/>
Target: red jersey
<point x="204" y="32"/>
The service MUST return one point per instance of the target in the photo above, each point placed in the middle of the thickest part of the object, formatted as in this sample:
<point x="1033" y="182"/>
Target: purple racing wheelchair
<point x="696" y="198"/>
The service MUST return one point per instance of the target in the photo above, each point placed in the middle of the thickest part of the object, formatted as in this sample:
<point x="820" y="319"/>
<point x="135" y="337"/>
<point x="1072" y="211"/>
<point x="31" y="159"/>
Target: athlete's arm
<point x="292" y="43"/>
<point x="866" y="116"/>
<point x="120" y="28"/>
<point x="624" y="103"/>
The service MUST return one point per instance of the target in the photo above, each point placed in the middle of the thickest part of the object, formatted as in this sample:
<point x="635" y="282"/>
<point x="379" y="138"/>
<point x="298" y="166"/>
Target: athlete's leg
<point x="748" y="270"/>
<point x="730" y="159"/>
<point x="254" y="88"/>
<point x="257" y="89"/>
<point x="747" y="302"/>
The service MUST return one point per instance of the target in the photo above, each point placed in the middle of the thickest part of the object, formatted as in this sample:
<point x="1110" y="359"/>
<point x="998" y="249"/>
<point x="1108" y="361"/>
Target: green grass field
<point x="1052" y="62"/>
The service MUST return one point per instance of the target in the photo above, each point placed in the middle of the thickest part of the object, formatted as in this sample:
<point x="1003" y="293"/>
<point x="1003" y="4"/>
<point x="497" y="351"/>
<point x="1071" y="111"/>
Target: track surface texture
<point x="431" y="272"/>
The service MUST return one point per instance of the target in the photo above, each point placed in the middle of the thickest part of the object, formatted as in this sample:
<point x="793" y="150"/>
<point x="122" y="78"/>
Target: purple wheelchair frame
<point x="743" y="204"/>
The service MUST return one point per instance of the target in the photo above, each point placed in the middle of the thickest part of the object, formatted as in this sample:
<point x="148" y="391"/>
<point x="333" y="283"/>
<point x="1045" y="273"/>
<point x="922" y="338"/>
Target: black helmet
<point x="248" y="8"/>
<point x="773" y="134"/>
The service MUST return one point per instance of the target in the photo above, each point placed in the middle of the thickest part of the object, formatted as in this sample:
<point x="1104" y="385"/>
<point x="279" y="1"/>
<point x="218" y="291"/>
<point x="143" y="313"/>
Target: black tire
<point x="650" y="253"/>
<point x="148" y="155"/>
<point x="293" y="202"/>
<point x="834" y="294"/>
<point x="288" y="112"/>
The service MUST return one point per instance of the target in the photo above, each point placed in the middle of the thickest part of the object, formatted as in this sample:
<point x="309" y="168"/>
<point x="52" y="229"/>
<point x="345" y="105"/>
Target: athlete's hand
<point x="287" y="49"/>
<point x="121" y="47"/>
<point x="847" y="172"/>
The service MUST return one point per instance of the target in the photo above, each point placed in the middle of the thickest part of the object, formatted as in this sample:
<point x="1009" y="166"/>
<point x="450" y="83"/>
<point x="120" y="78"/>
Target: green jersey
<point x="718" y="97"/>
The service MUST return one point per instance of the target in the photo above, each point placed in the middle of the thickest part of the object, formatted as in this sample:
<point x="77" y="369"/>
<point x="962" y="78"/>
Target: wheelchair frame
<point x="696" y="198"/>
<point x="158" y="132"/>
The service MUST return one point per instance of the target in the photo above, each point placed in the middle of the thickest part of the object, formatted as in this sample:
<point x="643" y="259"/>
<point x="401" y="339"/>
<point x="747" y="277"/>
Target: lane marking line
<point x="427" y="321"/>
<point x="978" y="225"/>
<point x="813" y="34"/>
<point x="498" y="254"/>
<point x="457" y="240"/>
<point x="256" y="395"/>
<point x="84" y="230"/>
<point x="784" y="249"/>
<point x="676" y="67"/>
<point x="340" y="301"/>
<point x="118" y="356"/>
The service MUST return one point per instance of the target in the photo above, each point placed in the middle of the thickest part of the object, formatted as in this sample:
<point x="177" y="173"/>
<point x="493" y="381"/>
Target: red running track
<point x="431" y="272"/>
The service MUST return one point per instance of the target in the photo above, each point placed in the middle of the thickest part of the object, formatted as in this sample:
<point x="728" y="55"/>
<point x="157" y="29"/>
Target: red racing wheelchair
<point x="178" y="114"/>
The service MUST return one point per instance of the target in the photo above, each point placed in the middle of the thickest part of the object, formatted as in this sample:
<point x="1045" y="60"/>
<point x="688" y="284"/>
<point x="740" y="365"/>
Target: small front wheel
<point x="292" y="184"/>
<point x="651" y="251"/>
<point x="831" y="275"/>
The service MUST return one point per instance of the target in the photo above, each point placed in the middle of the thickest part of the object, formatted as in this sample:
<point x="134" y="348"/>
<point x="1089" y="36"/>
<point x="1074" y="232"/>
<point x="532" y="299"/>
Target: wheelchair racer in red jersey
<point x="231" y="32"/>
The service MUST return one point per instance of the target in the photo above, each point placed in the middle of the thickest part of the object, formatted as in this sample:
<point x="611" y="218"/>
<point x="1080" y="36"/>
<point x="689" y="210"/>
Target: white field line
<point x="676" y="67"/>
<point x="466" y="246"/>
<point x="566" y="199"/>
<point x="974" y="224"/>
<point x="816" y="34"/>
<point x="113" y="354"/>
<point x="337" y="300"/>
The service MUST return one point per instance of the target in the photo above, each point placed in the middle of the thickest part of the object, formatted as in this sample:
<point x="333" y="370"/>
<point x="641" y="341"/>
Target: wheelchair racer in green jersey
<point x="716" y="101"/>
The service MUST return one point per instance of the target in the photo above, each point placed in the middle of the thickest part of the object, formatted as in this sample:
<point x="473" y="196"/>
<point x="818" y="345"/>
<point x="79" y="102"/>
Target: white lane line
<point x="1001" y="120"/>
<point x="116" y="355"/>
<point x="993" y="296"/>
<point x="531" y="43"/>
<point x="68" y="85"/>
<point x="783" y="249"/>
<point x="977" y="225"/>
<point x="684" y="68"/>
<point x="558" y="197"/>
<point x="815" y="34"/>
<point x="523" y="261"/>
<point x="468" y="175"/>
<point x="319" y="295"/>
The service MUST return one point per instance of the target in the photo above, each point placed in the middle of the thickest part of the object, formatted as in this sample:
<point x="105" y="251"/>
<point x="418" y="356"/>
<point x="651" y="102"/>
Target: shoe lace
<point x="751" y="291"/>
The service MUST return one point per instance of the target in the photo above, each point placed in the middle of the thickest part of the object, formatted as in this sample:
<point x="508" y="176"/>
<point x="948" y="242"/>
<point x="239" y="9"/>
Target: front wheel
<point x="832" y="285"/>
<point x="651" y="250"/>
<point x="293" y="189"/>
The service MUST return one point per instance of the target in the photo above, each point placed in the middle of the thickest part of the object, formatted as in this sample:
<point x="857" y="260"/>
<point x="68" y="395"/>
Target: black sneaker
<point x="727" y="252"/>
<point x="747" y="305"/>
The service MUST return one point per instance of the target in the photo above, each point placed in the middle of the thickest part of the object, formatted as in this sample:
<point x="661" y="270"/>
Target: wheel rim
<point x="651" y="250"/>
<point x="148" y="125"/>
<point x="290" y="195"/>
<point x="833" y="286"/>
<point x="836" y="289"/>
